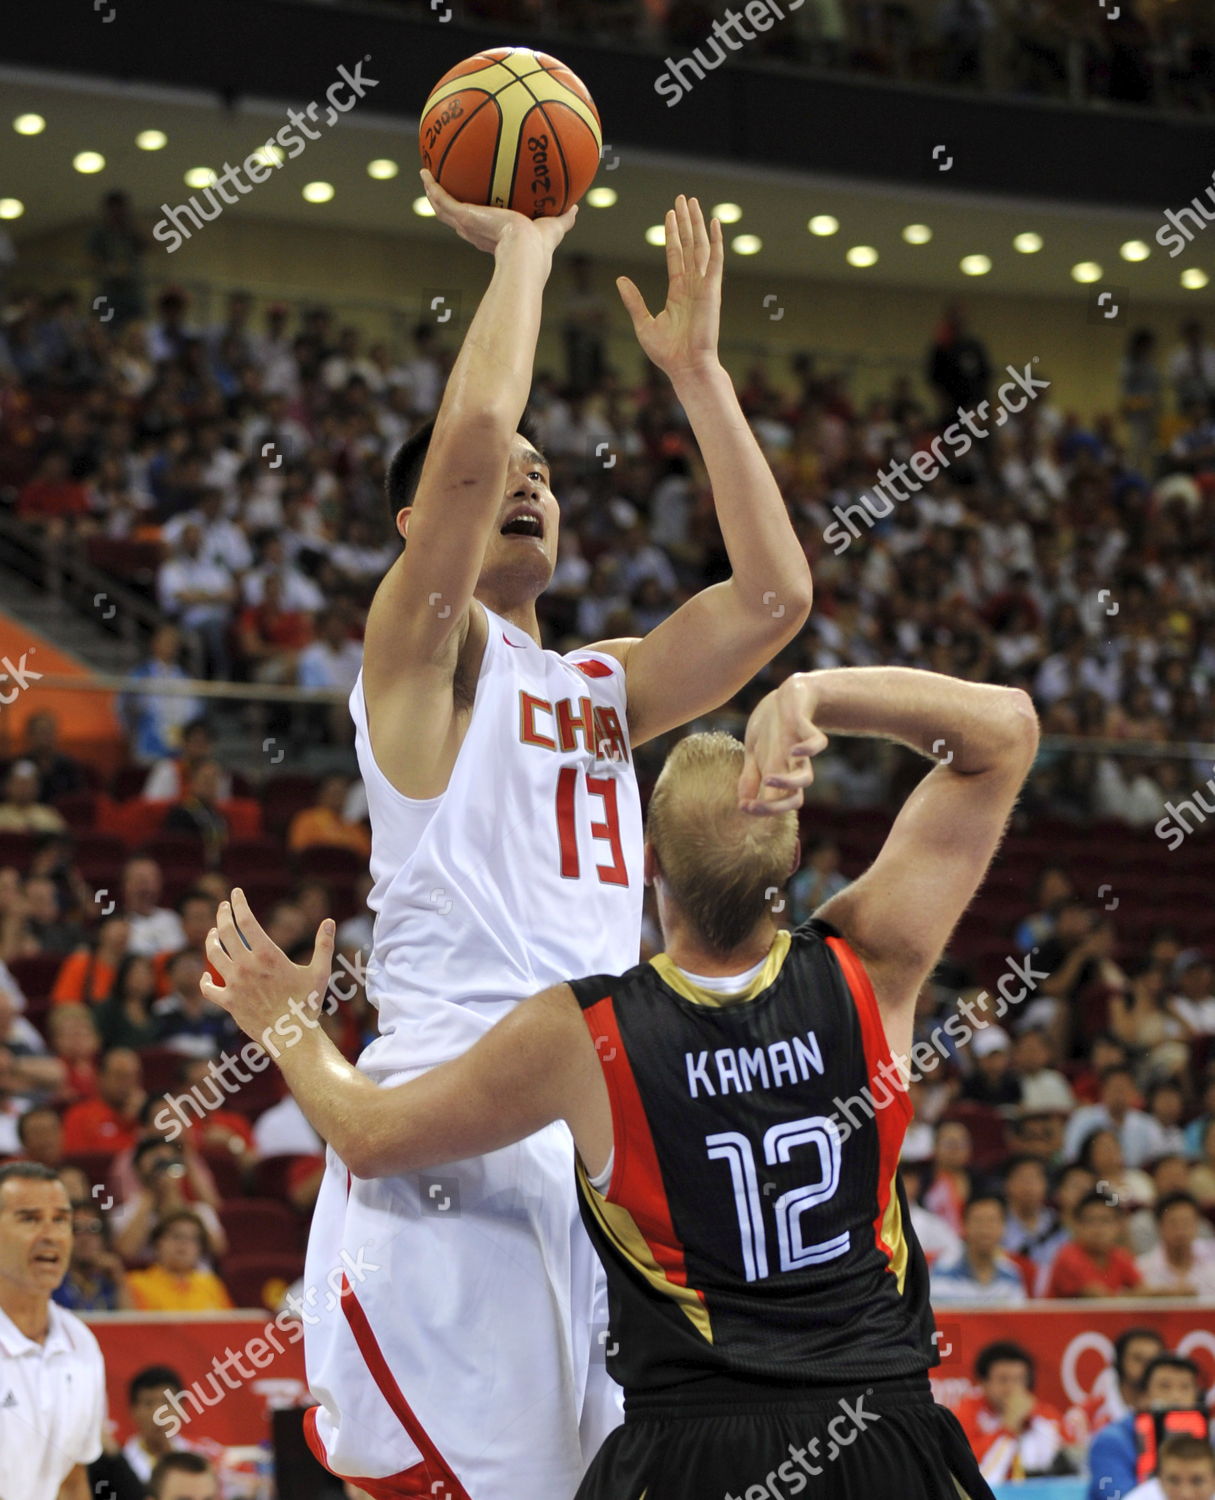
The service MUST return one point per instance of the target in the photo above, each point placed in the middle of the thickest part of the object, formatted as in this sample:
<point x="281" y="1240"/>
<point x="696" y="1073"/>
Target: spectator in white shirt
<point x="51" y="1369"/>
<point x="198" y="595"/>
<point x="1193" y="1002"/>
<point x="153" y="928"/>
<point x="423" y="373"/>
<point x="983" y="1272"/>
<point x="299" y="591"/>
<point x="169" y="777"/>
<point x="1141" y="1137"/>
<point x="1185" y="1470"/>
<point x="1181" y="1265"/>
<point x="223" y="541"/>
<point x="1043" y="1088"/>
<point x="283" y="1131"/>
<point x="274" y="354"/>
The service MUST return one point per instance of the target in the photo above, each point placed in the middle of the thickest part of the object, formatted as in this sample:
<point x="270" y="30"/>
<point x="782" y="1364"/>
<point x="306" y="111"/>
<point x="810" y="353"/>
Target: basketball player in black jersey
<point x="770" y="1321"/>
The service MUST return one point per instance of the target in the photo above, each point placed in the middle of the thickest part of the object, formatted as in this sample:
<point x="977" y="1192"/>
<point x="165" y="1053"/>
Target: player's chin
<point x="522" y="573"/>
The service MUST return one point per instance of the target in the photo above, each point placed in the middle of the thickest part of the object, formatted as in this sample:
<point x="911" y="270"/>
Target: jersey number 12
<point x="819" y="1131"/>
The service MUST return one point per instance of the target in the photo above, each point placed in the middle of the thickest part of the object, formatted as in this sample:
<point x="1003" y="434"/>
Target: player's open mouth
<point x="50" y="1262"/>
<point x="524" y="522"/>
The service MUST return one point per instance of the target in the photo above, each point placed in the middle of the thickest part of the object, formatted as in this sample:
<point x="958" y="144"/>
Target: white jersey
<point x="525" y="871"/>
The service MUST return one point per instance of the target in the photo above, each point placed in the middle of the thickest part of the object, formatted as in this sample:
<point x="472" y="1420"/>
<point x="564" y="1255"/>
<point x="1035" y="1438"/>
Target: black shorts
<point x="864" y="1442"/>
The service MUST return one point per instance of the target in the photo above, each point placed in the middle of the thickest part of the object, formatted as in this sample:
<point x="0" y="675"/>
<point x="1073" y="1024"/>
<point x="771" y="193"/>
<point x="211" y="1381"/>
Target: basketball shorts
<point x="862" y="1442"/>
<point x="457" y="1342"/>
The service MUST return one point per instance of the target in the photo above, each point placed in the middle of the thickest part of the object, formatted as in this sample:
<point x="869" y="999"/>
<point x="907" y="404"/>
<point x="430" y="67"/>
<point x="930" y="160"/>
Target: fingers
<point x="748" y="782"/>
<point x="700" y="248"/>
<point x="322" y="956"/>
<point x="675" y="261"/>
<point x="634" y="302"/>
<point x="229" y="937"/>
<point x="218" y="957"/>
<point x="252" y="929"/>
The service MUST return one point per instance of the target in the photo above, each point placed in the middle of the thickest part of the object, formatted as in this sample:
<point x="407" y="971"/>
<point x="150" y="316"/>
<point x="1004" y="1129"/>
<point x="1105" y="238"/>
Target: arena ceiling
<point x="96" y="115"/>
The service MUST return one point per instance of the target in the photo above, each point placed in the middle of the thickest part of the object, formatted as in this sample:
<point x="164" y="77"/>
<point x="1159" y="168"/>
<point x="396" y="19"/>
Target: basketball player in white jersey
<point x="506" y="854"/>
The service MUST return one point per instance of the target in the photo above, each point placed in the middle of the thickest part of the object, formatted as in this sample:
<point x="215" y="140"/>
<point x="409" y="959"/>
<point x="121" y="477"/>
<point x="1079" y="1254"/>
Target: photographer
<point x="169" y="1183"/>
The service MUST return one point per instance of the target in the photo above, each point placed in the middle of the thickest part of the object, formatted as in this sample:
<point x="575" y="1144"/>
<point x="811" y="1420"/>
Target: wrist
<point x="699" y="374"/>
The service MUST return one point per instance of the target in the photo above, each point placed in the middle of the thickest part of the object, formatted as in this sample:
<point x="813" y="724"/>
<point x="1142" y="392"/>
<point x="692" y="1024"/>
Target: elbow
<point x="365" y="1158"/>
<point x="1021" y="720"/>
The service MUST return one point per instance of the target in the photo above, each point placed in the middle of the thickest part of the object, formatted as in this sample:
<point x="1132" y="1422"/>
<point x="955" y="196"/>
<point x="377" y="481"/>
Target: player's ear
<point x="403" y="516"/>
<point x="795" y="865"/>
<point x="649" y="866"/>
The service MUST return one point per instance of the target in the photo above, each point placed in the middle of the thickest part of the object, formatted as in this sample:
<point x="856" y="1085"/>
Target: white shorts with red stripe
<point x="465" y="1359"/>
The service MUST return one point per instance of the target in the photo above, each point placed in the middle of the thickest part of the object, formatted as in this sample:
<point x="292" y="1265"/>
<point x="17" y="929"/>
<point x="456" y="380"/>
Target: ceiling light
<point x="728" y="213"/>
<point x="823" y="224"/>
<point x="917" y="234"/>
<point x="1086" y="271"/>
<point x="1134" y="250"/>
<point x="29" y="124"/>
<point x="601" y="197"/>
<point x="88" y="161"/>
<point x="1193" y="279"/>
<point x="317" y="192"/>
<point x="200" y="177"/>
<point x="975" y="265"/>
<point x="656" y="234"/>
<point x="862" y="255"/>
<point x="746" y="244"/>
<point x="1028" y="243"/>
<point x="423" y="207"/>
<point x="382" y="168"/>
<point x="11" y="208"/>
<point x="151" y="140"/>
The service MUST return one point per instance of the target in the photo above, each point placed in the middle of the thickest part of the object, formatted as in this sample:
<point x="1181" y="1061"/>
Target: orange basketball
<point x="512" y="128"/>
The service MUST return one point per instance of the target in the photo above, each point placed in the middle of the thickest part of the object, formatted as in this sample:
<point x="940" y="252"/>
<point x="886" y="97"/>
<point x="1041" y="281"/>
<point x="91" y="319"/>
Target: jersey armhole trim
<point x="385" y="783"/>
<point x="873" y="1030"/>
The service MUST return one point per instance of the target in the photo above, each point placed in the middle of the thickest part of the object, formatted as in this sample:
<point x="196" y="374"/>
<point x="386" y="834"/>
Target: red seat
<point x="227" y="1171"/>
<point x="36" y="973"/>
<point x="988" y="1146"/>
<point x="263" y="1225"/>
<point x="161" y="1070"/>
<point x="260" y="1280"/>
<point x="17" y="849"/>
<point x="272" y="1174"/>
<point x="128" y="782"/>
<point x="330" y="861"/>
<point x="247" y="859"/>
<point x="79" y="811"/>
<point x="284" y="796"/>
<point x="100" y="856"/>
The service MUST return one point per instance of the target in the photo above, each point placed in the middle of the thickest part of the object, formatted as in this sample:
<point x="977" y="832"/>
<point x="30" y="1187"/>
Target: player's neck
<point x="521" y="616"/>
<point x="690" y="955"/>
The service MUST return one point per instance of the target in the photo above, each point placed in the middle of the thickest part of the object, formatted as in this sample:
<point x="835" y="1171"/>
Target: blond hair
<point x="720" y="865"/>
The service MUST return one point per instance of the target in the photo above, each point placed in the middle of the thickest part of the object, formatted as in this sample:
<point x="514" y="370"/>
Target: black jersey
<point x="754" y="1226"/>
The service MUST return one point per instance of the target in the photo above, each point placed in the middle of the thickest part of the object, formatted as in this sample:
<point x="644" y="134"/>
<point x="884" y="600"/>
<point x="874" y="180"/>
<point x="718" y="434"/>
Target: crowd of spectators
<point x="1154" y="52"/>
<point x="1052" y="1156"/>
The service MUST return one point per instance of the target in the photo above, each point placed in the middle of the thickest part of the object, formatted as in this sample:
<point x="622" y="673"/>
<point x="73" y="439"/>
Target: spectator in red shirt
<point x="75" y="1041"/>
<point x="270" y="636"/>
<point x="1093" y="1264"/>
<point x="52" y="495"/>
<point x="110" y="1122"/>
<point x="1013" y="1434"/>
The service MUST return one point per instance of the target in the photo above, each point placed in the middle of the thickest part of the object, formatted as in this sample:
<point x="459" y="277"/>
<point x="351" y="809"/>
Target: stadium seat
<point x="128" y="782"/>
<point x="260" y="1280"/>
<point x="94" y="1164"/>
<point x="272" y="1174"/>
<point x="35" y="974"/>
<point x="261" y="1224"/>
<point x="100" y="856"/>
<point x="79" y="811"/>
<point x="17" y="849"/>
<point x="986" y="1126"/>
<point x="249" y="859"/>
<point x="161" y="1069"/>
<point x="284" y="796"/>
<point x="227" y="1171"/>
<point x="330" y="861"/>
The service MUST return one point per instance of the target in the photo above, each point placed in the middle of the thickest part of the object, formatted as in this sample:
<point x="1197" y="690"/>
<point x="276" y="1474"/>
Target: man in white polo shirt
<point x="52" y="1377"/>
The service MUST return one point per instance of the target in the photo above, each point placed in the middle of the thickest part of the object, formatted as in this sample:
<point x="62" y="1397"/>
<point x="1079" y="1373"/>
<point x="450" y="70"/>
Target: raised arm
<point x="420" y="617"/>
<point x="716" y="642"/>
<point x="537" y="1065"/>
<point x="899" y="914"/>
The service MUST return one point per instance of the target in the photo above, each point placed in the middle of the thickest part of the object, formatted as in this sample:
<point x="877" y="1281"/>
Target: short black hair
<point x="1125" y="1339"/>
<point x="176" y="1463"/>
<point x="1162" y="1206"/>
<point x="1004" y="1351"/>
<point x="1170" y="1361"/>
<point x="34" y="1109"/>
<point x="406" y="469"/>
<point x="981" y="1197"/>
<point x="27" y="1171"/>
<point x="153" y="1378"/>
<point x="1094" y="1197"/>
<point x="1022" y="1159"/>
